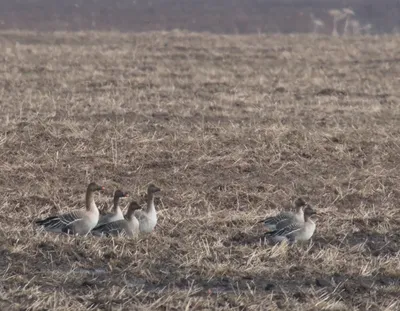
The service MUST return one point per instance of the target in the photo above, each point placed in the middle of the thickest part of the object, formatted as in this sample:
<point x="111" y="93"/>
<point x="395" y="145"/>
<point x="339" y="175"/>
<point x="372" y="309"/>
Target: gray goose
<point x="78" y="222"/>
<point x="128" y="226"/>
<point x="116" y="212"/>
<point x="295" y="230"/>
<point x="284" y="218"/>
<point x="148" y="217"/>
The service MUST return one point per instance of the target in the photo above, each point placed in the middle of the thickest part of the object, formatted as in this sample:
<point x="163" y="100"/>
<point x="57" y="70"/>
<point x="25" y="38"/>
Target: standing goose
<point x="296" y="231"/>
<point x="128" y="226"/>
<point x="116" y="213"/>
<point x="148" y="217"/>
<point x="284" y="218"/>
<point x="76" y="222"/>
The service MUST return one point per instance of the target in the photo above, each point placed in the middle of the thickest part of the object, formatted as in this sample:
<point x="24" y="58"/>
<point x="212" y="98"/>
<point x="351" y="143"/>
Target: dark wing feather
<point x="288" y="230"/>
<point x="278" y="218"/>
<point x="60" y="222"/>
<point x="112" y="228"/>
<point x="42" y="222"/>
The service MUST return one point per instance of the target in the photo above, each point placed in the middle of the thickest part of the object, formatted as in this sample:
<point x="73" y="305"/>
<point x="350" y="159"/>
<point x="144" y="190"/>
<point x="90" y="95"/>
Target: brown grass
<point x="232" y="128"/>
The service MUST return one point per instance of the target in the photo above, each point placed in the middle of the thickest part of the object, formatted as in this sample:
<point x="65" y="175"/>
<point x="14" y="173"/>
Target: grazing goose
<point x="284" y="218"/>
<point x="116" y="213"/>
<point x="296" y="231"/>
<point x="148" y="217"/>
<point x="128" y="226"/>
<point x="76" y="222"/>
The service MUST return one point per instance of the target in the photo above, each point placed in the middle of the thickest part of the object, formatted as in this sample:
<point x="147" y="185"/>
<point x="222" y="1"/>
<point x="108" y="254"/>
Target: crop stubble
<point x="231" y="128"/>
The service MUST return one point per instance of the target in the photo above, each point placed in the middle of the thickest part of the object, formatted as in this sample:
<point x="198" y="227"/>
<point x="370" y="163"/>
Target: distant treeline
<point x="217" y="16"/>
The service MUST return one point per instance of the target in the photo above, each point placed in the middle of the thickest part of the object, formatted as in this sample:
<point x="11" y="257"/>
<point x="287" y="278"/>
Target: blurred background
<point x="334" y="17"/>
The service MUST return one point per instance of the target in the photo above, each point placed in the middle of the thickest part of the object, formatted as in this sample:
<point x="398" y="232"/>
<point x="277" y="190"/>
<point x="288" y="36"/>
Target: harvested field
<point x="232" y="128"/>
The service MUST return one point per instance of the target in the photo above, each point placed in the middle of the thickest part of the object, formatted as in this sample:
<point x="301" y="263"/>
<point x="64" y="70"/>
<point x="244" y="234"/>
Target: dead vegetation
<point x="232" y="128"/>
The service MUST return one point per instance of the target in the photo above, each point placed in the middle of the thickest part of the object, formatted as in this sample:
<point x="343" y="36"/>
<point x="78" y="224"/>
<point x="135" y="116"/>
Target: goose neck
<point x="150" y="203"/>
<point x="115" y="206"/>
<point x="90" y="204"/>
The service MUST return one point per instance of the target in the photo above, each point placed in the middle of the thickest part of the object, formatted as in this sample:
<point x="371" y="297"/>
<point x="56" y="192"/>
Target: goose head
<point x="94" y="187"/>
<point x="299" y="204"/>
<point x="133" y="206"/>
<point x="152" y="189"/>
<point x="308" y="212"/>
<point x="120" y="194"/>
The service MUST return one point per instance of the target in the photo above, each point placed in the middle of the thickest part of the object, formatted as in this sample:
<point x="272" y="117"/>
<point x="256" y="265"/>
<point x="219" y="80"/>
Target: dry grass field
<point x="233" y="129"/>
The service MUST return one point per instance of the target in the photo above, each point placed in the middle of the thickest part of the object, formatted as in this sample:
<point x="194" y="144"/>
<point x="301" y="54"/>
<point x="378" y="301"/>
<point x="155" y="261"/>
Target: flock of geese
<point x="285" y="226"/>
<point x="89" y="221"/>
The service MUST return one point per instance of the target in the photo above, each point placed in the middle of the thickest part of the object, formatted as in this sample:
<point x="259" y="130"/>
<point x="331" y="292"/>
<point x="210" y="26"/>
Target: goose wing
<point x="107" y="218"/>
<point x="58" y="223"/>
<point x="274" y="222"/>
<point x="287" y="231"/>
<point x="111" y="228"/>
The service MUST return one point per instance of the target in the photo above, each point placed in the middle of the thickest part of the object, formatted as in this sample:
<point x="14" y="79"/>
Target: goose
<point x="148" y="217"/>
<point x="77" y="222"/>
<point x="284" y="218"/>
<point x="128" y="226"/>
<point x="116" y="213"/>
<point x="295" y="230"/>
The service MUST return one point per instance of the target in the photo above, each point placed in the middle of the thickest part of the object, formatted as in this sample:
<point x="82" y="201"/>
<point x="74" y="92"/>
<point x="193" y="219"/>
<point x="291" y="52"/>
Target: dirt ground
<point x="233" y="129"/>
